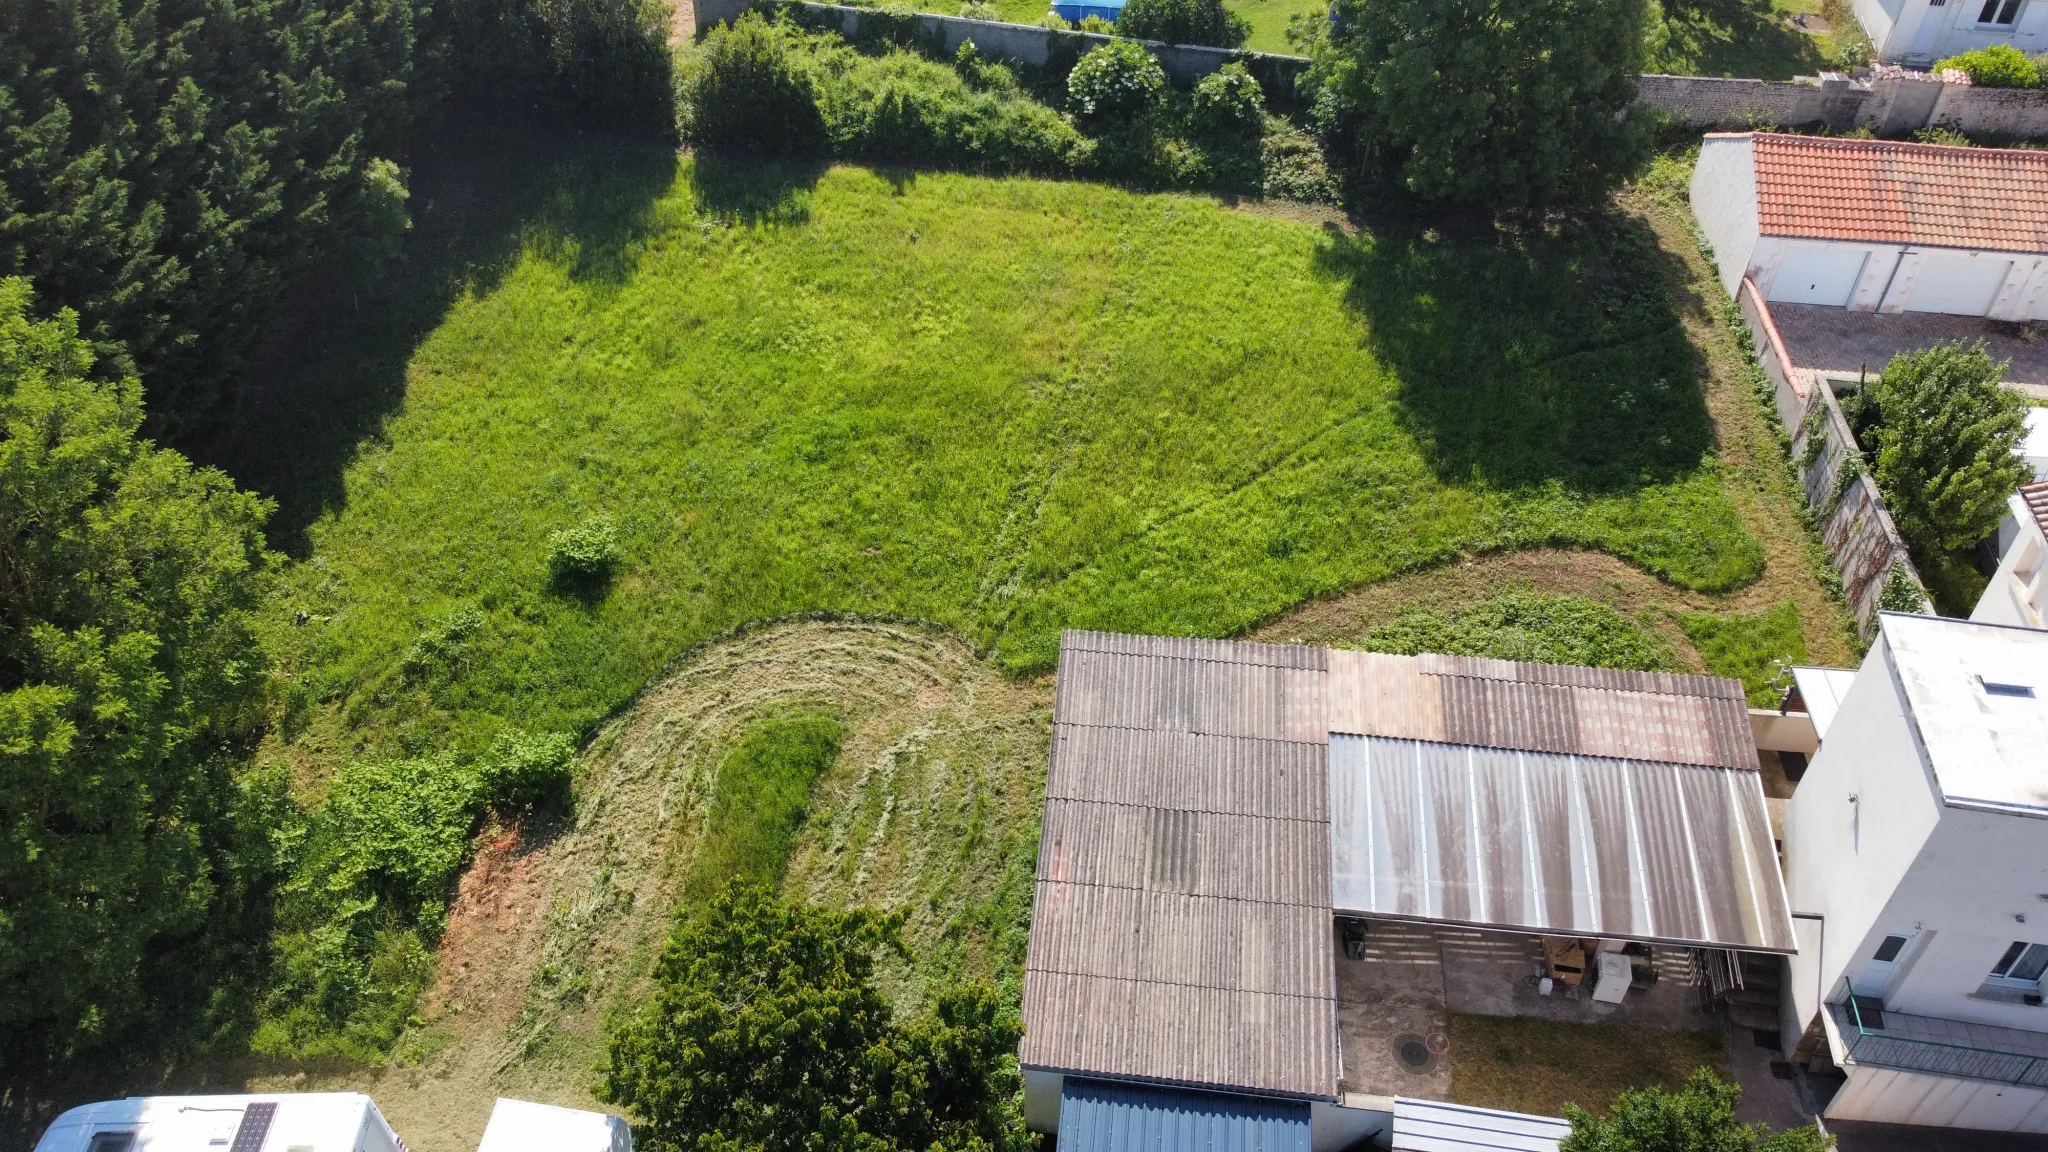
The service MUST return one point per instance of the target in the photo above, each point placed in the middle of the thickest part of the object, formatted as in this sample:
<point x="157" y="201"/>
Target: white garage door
<point x="1958" y="283"/>
<point x="1818" y="274"/>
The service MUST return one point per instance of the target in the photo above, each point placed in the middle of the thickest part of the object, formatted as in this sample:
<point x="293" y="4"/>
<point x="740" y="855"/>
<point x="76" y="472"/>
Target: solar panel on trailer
<point x="254" y="1128"/>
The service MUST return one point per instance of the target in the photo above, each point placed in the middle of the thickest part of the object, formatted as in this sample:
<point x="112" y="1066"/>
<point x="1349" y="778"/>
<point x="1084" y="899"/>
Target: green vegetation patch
<point x="1008" y="406"/>
<point x="758" y="801"/>
<point x="1753" y="649"/>
<point x="1527" y="626"/>
<point x="1525" y="1064"/>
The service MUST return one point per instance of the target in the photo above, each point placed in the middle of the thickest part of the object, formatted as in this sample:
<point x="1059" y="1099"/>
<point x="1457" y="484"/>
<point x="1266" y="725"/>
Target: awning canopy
<point x="1554" y="843"/>
<point x="1434" y="1126"/>
<point x="1109" y="1116"/>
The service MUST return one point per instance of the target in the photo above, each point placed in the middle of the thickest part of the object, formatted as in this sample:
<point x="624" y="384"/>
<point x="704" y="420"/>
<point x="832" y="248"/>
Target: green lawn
<point x="1751" y="38"/>
<point x="1269" y="21"/>
<point x="1010" y="406"/>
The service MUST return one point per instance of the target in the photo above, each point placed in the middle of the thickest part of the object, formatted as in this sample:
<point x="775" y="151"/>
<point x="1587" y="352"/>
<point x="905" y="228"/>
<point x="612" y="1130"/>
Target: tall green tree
<point x="128" y="670"/>
<point x="1699" y="1117"/>
<point x="167" y="167"/>
<point x="1946" y="445"/>
<point x="766" y="1034"/>
<point x="1509" y="105"/>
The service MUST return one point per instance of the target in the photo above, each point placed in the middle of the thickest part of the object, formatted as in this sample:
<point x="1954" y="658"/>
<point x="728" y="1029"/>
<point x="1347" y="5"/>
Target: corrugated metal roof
<point x="1554" y="843"/>
<point x="1434" y="1126"/>
<point x="1101" y="1116"/>
<point x="1181" y="927"/>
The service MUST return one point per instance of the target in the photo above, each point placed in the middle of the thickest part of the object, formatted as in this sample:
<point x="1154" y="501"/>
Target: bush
<point x="1945" y="445"/>
<point x="746" y="91"/>
<point x="1097" y="25"/>
<point x="1999" y="66"/>
<point x="1228" y="105"/>
<point x="1116" y="83"/>
<point x="977" y="10"/>
<point x="1697" y="1118"/>
<point x="1184" y="22"/>
<point x="1526" y="626"/>
<point x="587" y="552"/>
<point x="524" y="769"/>
<point x="1054" y="21"/>
<point x="904" y="108"/>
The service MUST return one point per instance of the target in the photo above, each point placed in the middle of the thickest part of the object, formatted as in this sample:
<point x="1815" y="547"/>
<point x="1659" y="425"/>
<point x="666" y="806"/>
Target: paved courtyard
<point x="1838" y="341"/>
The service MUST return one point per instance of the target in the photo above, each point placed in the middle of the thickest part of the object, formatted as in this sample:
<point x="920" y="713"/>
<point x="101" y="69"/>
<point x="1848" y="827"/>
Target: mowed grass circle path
<point x="1009" y="406"/>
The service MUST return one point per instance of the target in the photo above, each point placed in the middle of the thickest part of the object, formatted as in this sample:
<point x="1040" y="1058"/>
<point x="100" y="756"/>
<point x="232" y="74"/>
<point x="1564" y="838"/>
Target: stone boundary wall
<point x="1030" y="44"/>
<point x="1854" y="524"/>
<point x="1889" y="104"/>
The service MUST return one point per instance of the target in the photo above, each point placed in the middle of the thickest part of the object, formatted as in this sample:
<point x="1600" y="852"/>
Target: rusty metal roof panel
<point x="1174" y="938"/>
<point x="1189" y="770"/>
<point x="1177" y="850"/>
<point x="1554" y="843"/>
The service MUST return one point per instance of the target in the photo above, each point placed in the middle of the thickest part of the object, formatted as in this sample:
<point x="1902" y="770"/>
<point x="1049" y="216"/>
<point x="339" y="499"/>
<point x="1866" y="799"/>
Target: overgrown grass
<point x="758" y="801"/>
<point x="1749" y="38"/>
<point x="1751" y="648"/>
<point x="1269" y="20"/>
<point x="1525" y="1064"/>
<point x="1528" y="626"/>
<point x="1009" y="406"/>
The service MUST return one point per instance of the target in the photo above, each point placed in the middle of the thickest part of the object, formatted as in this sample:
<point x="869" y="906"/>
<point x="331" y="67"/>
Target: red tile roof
<point x="1899" y="193"/>
<point x="2036" y="497"/>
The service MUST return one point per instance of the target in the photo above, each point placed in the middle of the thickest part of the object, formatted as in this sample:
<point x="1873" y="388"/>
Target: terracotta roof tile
<point x="1900" y="193"/>
<point x="2036" y="497"/>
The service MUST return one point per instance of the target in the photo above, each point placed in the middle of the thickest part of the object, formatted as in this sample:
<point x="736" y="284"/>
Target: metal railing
<point x="1899" y="1049"/>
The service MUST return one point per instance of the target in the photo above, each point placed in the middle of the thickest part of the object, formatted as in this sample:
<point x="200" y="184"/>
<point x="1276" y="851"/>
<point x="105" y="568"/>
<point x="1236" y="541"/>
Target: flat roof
<point x="1978" y="694"/>
<point x="1437" y="1126"/>
<point x="1822" y="691"/>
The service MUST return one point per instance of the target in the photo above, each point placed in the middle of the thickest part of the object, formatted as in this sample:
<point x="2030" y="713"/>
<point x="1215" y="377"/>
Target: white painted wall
<point x="2018" y="591"/>
<point x="1724" y="202"/>
<point x="1902" y="29"/>
<point x="1975" y="887"/>
<point x="1042" y="1092"/>
<point x="1332" y="1127"/>
<point x="1887" y="1096"/>
<point x="1845" y="860"/>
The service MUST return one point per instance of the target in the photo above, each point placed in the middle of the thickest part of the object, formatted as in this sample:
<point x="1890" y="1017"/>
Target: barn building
<point x="1877" y="225"/>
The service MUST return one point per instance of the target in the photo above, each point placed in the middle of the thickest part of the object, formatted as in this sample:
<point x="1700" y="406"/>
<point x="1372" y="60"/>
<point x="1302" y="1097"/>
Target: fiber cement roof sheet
<point x="1188" y="770"/>
<point x="1105" y="1116"/>
<point x="1554" y="843"/>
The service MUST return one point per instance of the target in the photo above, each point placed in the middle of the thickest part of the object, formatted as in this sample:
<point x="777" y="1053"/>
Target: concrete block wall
<point x="1889" y="104"/>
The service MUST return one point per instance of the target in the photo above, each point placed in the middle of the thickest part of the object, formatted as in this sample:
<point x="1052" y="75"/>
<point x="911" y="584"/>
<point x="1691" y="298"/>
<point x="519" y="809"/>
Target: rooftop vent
<point x="1994" y="688"/>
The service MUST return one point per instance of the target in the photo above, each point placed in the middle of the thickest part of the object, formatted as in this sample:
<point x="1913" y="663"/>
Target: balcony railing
<point x="1942" y="1047"/>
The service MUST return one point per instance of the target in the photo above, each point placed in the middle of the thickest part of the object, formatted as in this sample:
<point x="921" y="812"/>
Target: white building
<point x="1922" y="31"/>
<point x="298" y="1121"/>
<point x="1878" y="225"/>
<point x="2018" y="592"/>
<point x="1916" y="854"/>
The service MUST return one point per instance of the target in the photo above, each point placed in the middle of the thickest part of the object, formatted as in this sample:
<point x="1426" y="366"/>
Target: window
<point x="1888" y="950"/>
<point x="2021" y="966"/>
<point x="1999" y="12"/>
<point x="111" y="1142"/>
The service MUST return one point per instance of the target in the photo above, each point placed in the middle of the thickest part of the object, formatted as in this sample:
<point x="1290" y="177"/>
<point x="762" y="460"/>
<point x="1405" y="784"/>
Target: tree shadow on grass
<point x="333" y="368"/>
<point x="1531" y="356"/>
<point x="751" y="192"/>
<point x="1736" y="38"/>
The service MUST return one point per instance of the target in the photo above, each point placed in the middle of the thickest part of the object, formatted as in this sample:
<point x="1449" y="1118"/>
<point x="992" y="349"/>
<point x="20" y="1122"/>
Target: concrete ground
<point x="1396" y="991"/>
<point x="1488" y="974"/>
<point x="1837" y="340"/>
<point x="1766" y="1096"/>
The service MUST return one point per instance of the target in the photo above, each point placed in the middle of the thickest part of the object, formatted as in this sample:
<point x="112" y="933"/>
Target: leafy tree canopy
<point x="1946" y="444"/>
<point x="1697" y="1118"/>
<point x="766" y="1034"/>
<point x="1506" y="104"/>
<point x="127" y="670"/>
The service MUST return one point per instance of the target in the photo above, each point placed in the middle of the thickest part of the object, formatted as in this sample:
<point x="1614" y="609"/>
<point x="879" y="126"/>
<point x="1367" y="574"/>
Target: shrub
<point x="1526" y="626"/>
<point x="1054" y="21"/>
<point x="524" y="769"/>
<point x="1998" y="66"/>
<point x="1184" y="22"/>
<point x="1946" y="445"/>
<point x="1228" y="105"/>
<point x="1696" y="1118"/>
<point x="904" y="108"/>
<point x="977" y="10"/>
<point x="1116" y="83"/>
<point x="1901" y="592"/>
<point x="1097" y="25"/>
<point x="747" y="92"/>
<point x="588" y="551"/>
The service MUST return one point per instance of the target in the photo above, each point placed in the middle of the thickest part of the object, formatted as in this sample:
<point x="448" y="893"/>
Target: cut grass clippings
<point x="1525" y="1064"/>
<point x="1753" y="648"/>
<point x="1008" y="406"/>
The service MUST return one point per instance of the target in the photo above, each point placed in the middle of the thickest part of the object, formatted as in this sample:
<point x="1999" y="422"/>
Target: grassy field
<point x="1006" y="406"/>
<point x="1525" y="1064"/>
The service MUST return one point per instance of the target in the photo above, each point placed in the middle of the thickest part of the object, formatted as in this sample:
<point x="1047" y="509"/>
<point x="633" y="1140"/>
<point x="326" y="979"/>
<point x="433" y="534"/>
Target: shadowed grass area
<point x="1010" y="406"/>
<point x="1524" y="1064"/>
<point x="1747" y="38"/>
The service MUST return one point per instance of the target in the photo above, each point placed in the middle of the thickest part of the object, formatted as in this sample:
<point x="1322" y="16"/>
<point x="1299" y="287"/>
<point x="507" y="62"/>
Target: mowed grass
<point x="1008" y="406"/>
<point x="1524" y="1064"/>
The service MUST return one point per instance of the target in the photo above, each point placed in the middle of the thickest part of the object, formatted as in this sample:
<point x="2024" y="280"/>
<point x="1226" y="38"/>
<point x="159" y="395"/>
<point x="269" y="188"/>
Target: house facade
<point x="2018" y="591"/>
<point x="1877" y="225"/>
<point x="1916" y="858"/>
<point x="1920" y="32"/>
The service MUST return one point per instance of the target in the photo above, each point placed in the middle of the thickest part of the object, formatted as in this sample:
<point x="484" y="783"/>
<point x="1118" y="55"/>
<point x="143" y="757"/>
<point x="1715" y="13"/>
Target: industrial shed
<point x="1877" y="225"/>
<point x="1212" y="807"/>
